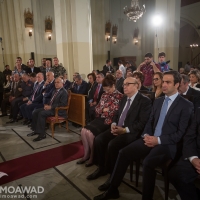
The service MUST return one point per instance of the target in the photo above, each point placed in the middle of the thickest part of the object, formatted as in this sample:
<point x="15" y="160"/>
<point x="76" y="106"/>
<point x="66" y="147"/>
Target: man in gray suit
<point x="58" y="99"/>
<point x="119" y="81"/>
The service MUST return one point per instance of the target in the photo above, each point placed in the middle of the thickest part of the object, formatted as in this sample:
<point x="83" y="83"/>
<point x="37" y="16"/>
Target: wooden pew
<point x="76" y="112"/>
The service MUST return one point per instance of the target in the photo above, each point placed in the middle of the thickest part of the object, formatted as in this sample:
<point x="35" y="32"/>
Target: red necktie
<point x="52" y="99"/>
<point x="96" y="93"/>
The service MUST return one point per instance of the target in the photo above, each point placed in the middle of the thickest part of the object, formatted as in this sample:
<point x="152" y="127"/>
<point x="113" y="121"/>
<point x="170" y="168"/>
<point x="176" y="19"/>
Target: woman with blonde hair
<point x="194" y="76"/>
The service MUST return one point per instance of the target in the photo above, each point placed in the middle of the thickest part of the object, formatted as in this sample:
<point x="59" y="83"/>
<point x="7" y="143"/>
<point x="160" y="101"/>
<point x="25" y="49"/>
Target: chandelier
<point x="134" y="12"/>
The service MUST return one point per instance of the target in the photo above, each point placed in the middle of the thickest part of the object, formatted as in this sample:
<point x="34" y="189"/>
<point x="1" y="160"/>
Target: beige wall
<point x="16" y="40"/>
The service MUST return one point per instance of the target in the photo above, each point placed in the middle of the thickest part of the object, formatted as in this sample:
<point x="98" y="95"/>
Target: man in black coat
<point x="192" y="94"/>
<point x="166" y="126"/>
<point x="32" y="68"/>
<point x="119" y="81"/>
<point x="108" y="68"/>
<point x="80" y="86"/>
<point x="59" y="99"/>
<point x="187" y="169"/>
<point x="127" y="126"/>
<point x="95" y="96"/>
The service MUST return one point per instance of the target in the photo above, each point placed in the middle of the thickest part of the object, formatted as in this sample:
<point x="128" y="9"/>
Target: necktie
<point x="78" y="88"/>
<point x="36" y="88"/>
<point x="163" y="113"/>
<point x="96" y="93"/>
<point x="52" y="99"/>
<point x="124" y="113"/>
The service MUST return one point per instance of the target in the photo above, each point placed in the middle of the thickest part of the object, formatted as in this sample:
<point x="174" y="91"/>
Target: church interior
<point x="83" y="34"/>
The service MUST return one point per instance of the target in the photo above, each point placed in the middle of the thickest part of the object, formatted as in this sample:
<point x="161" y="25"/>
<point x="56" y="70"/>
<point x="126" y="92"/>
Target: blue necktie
<point x="163" y="113"/>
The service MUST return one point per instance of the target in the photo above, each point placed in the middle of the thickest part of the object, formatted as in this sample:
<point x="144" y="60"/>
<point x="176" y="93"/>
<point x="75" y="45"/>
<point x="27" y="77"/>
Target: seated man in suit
<point x="127" y="126"/>
<point x="166" y="126"/>
<point x="119" y="81"/>
<point x="15" y="93"/>
<point x="80" y="86"/>
<point x="26" y="89"/>
<point x="95" y="96"/>
<point x="187" y="169"/>
<point x="66" y="82"/>
<point x="59" y="99"/>
<point x="32" y="68"/>
<point x="34" y="100"/>
<point x="185" y="89"/>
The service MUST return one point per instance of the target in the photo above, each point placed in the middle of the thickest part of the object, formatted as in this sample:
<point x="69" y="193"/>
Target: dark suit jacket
<point x="35" y="70"/>
<point x="106" y="69"/>
<point x="48" y="90"/>
<point x="175" y="123"/>
<point x="101" y="91"/>
<point x="119" y="84"/>
<point x="191" y="145"/>
<point x="60" y="101"/>
<point x="90" y="90"/>
<point x="82" y="89"/>
<point x="196" y="97"/>
<point x="137" y="115"/>
<point x="67" y="85"/>
<point x="16" y="93"/>
<point x="38" y="94"/>
<point x="27" y="88"/>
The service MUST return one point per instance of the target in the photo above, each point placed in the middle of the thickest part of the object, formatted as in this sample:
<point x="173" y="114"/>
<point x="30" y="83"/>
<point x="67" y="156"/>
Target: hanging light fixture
<point x="134" y="12"/>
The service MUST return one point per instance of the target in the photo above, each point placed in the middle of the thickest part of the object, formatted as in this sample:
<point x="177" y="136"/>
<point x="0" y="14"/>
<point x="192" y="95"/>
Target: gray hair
<point x="78" y="77"/>
<point x="185" y="78"/>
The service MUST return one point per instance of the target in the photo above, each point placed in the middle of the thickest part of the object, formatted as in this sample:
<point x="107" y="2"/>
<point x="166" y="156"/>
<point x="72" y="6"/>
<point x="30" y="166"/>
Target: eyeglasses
<point x="127" y="84"/>
<point x="155" y="79"/>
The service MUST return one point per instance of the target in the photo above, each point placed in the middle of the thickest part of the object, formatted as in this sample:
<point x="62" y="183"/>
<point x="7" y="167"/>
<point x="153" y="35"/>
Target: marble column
<point x="74" y="35"/>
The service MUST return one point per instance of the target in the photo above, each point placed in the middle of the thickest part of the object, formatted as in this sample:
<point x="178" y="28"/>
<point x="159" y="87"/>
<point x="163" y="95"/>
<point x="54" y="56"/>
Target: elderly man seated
<point x="58" y="99"/>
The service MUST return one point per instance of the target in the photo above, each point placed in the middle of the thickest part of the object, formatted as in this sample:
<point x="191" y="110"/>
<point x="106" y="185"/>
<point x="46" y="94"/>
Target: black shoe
<point x="39" y="138"/>
<point x="32" y="134"/>
<point x="19" y="118"/>
<point x="107" y="195"/>
<point x="28" y="122"/>
<point x="80" y="162"/>
<point x="105" y="186"/>
<point x="25" y="121"/>
<point x="99" y="172"/>
<point x="3" y="115"/>
<point x="89" y="164"/>
<point x="12" y="121"/>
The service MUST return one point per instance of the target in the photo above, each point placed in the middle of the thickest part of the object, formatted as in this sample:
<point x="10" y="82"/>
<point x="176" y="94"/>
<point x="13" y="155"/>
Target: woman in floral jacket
<point x="105" y="111"/>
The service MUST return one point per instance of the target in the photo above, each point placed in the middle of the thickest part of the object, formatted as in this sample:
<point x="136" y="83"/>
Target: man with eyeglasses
<point x="166" y="126"/>
<point x="127" y="126"/>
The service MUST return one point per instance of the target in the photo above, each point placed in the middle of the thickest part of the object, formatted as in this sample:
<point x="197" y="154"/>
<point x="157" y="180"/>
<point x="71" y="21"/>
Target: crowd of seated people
<point x="122" y="123"/>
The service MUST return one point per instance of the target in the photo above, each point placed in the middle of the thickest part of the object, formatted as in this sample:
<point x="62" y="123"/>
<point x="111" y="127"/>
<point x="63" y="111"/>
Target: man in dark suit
<point x="32" y="68"/>
<point x="119" y="81"/>
<point x="66" y="82"/>
<point x="108" y="68"/>
<point x="80" y="86"/>
<point x="168" y="121"/>
<point x="26" y="89"/>
<point x="127" y="126"/>
<point x="23" y="67"/>
<point x="59" y="99"/>
<point x="187" y="169"/>
<point x="95" y="96"/>
<point x="185" y="89"/>
<point x="15" y="93"/>
<point x="34" y="100"/>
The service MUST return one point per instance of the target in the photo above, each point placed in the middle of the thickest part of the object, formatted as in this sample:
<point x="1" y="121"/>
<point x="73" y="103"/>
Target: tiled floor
<point x="67" y="181"/>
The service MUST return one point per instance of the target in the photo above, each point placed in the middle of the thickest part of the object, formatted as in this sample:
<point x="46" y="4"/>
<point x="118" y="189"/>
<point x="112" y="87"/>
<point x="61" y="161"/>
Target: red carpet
<point x="27" y="165"/>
